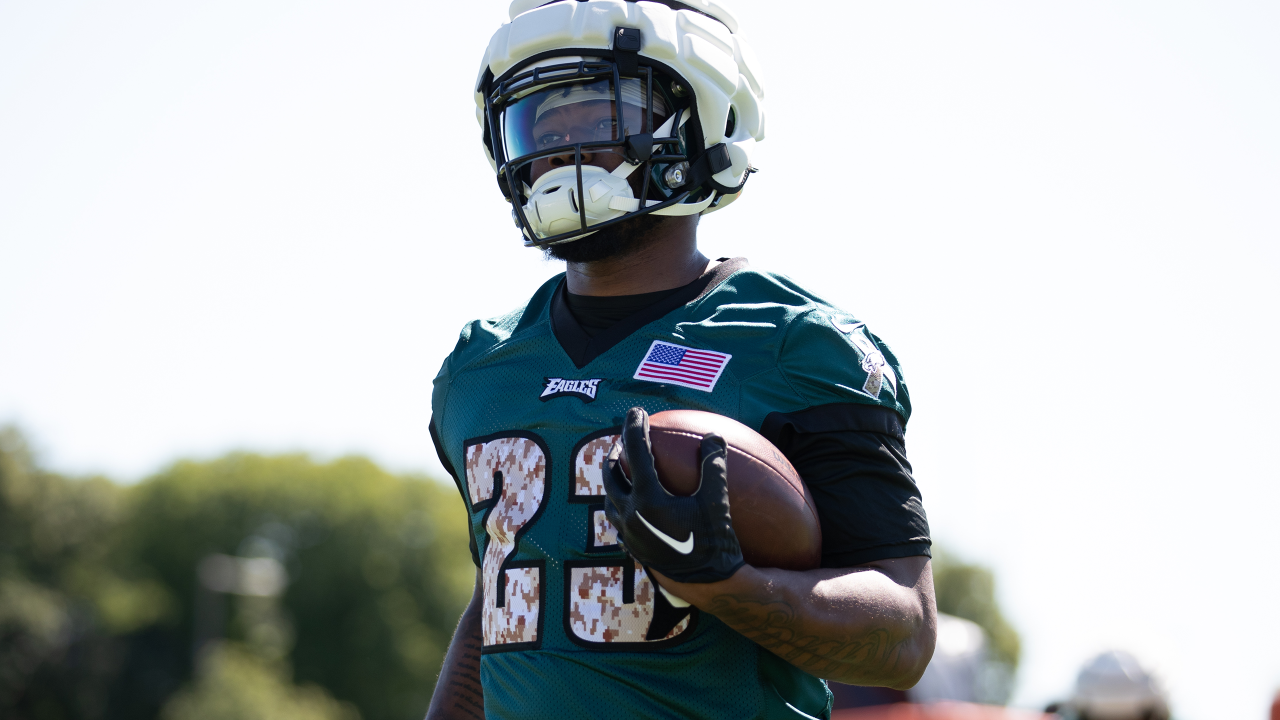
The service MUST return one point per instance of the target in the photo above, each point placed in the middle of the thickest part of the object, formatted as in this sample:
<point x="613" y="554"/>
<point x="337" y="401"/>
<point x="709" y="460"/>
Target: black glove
<point x="688" y="539"/>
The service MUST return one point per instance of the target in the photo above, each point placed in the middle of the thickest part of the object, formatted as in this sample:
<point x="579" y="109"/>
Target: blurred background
<point x="236" y="240"/>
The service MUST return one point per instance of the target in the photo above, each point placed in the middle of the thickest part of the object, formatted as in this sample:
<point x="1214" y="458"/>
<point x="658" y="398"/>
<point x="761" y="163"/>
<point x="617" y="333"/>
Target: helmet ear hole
<point x="732" y="123"/>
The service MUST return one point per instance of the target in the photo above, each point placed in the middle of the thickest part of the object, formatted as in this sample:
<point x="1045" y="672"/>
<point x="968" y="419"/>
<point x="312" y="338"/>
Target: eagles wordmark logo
<point x="584" y="390"/>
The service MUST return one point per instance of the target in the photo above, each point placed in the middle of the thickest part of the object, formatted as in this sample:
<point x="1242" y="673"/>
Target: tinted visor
<point x="573" y="113"/>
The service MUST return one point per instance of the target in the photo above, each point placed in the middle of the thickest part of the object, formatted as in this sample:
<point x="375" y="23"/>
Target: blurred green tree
<point x="237" y="684"/>
<point x="379" y="565"/>
<point x="63" y="607"/>
<point x="99" y="589"/>
<point x="969" y="591"/>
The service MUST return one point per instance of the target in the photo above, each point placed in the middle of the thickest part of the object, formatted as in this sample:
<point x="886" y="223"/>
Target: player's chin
<point x="615" y="241"/>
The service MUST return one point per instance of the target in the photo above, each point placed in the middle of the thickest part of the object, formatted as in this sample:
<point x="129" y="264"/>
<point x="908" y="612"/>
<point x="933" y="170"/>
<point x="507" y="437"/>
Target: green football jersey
<point x="525" y="410"/>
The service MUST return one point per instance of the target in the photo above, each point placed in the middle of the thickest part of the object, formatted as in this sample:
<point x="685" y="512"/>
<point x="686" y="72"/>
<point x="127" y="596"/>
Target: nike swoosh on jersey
<point x="684" y="548"/>
<point x="846" y="328"/>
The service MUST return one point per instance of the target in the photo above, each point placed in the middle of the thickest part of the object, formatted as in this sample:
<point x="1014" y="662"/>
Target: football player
<point x="611" y="127"/>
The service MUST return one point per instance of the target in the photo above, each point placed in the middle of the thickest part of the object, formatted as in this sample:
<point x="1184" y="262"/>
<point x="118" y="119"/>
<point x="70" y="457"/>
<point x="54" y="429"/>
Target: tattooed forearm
<point x="775" y="627"/>
<point x="464" y="682"/>
<point x="458" y="692"/>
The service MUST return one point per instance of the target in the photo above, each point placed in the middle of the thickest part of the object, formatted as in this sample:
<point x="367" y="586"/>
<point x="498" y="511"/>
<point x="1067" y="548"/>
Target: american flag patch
<point x="679" y="365"/>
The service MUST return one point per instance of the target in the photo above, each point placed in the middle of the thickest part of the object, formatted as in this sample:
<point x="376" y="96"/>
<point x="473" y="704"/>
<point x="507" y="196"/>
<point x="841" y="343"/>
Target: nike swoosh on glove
<point x="688" y="539"/>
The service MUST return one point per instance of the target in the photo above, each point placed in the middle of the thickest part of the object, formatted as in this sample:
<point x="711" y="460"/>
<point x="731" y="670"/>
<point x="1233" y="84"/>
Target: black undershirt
<point x="597" y="313"/>
<point x="583" y="347"/>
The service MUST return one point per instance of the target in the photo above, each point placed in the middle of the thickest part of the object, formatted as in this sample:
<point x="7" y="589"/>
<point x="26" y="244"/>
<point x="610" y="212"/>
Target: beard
<point x="616" y="241"/>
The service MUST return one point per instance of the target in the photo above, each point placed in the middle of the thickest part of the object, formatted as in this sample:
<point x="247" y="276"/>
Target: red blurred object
<point x="938" y="711"/>
<point x="1275" y="708"/>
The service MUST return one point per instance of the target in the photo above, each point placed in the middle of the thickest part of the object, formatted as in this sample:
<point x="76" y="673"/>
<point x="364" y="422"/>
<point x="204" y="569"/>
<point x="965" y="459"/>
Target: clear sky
<point x="260" y="225"/>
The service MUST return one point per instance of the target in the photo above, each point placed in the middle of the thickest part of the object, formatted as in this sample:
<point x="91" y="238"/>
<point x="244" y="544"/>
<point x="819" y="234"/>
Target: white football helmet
<point x="598" y="111"/>
<point x="1115" y="686"/>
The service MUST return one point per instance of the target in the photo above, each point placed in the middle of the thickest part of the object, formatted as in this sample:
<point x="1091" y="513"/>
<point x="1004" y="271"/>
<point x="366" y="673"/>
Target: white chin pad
<point x="675" y="601"/>
<point x="554" y="206"/>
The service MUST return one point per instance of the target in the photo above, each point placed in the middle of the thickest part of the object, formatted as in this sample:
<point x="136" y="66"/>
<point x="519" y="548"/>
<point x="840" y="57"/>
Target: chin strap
<point x="687" y="208"/>
<point x="628" y="205"/>
<point x="631" y="205"/>
<point x="623" y="171"/>
<point x="666" y="130"/>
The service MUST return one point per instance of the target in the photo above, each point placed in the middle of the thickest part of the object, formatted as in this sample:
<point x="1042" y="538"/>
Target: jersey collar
<point x="582" y="348"/>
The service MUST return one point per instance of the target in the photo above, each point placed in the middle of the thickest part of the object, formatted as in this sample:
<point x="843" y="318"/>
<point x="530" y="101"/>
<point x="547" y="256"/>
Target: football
<point x="773" y="512"/>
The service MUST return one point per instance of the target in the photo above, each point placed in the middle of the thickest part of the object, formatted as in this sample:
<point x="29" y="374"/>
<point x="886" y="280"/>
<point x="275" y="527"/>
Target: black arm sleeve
<point x="853" y="458"/>
<point x="448" y="467"/>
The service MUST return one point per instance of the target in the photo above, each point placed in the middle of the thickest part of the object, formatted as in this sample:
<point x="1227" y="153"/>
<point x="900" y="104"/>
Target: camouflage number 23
<point x="606" y="601"/>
